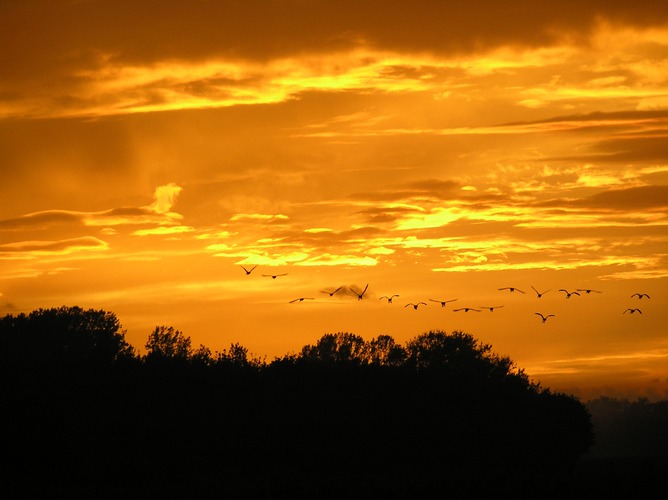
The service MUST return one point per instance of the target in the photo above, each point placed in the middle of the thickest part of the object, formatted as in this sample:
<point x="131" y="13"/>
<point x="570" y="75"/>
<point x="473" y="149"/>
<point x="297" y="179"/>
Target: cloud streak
<point x="36" y="249"/>
<point x="157" y="213"/>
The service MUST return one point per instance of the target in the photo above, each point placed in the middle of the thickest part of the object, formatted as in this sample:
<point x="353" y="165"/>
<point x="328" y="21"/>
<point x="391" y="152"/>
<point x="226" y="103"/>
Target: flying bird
<point x="640" y="295"/>
<point x="491" y="308"/>
<point x="540" y="294"/>
<point x="588" y="290"/>
<point x="415" y="306"/>
<point x="274" y="276"/>
<point x="248" y="271"/>
<point x="331" y="293"/>
<point x="568" y="294"/>
<point x="442" y="302"/>
<point x="544" y="318"/>
<point x="389" y="299"/>
<point x="360" y="295"/>
<point x="511" y="288"/>
<point x="467" y="309"/>
<point x="633" y="310"/>
<point x="301" y="299"/>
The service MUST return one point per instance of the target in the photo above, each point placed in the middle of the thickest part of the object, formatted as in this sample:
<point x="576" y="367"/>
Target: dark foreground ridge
<point x="85" y="416"/>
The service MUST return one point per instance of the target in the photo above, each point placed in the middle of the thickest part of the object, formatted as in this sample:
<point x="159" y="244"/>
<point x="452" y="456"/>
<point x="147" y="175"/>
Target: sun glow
<point x="145" y="160"/>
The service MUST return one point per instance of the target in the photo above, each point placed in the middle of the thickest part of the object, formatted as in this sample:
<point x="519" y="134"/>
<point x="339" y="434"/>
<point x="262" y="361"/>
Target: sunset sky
<point x="431" y="149"/>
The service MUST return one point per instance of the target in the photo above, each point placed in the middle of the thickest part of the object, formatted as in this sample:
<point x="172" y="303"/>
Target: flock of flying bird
<point x="415" y="305"/>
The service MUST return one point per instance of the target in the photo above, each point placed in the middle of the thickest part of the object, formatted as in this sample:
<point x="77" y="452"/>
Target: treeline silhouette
<point x="632" y="429"/>
<point x="81" y="406"/>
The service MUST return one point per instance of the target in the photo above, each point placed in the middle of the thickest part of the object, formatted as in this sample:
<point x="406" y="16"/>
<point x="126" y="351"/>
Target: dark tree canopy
<point x="167" y="343"/>
<point x="441" y="401"/>
<point x="63" y="336"/>
<point x="336" y="348"/>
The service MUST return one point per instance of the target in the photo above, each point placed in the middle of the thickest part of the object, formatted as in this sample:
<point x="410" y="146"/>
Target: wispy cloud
<point x="600" y="363"/>
<point x="156" y="213"/>
<point x="259" y="217"/>
<point x="328" y="259"/>
<point x="165" y="230"/>
<point x="34" y="249"/>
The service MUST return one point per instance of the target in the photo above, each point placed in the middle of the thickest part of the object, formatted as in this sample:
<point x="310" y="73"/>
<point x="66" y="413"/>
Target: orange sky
<point x="432" y="149"/>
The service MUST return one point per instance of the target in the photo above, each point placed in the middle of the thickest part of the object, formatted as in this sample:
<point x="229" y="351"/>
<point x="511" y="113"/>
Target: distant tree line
<point x="79" y="402"/>
<point x="632" y="429"/>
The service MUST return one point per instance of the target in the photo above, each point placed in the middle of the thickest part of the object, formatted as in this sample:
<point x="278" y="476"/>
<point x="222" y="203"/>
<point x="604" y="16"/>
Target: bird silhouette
<point x="568" y="294"/>
<point x="442" y="302"/>
<point x="588" y="290"/>
<point x="466" y="309"/>
<point x="633" y="311"/>
<point x="540" y="294"/>
<point x="640" y="295"/>
<point x="248" y="271"/>
<point x="544" y="318"/>
<point x="301" y="299"/>
<point x="491" y="308"/>
<point x="389" y="299"/>
<point x="331" y="293"/>
<point x="415" y="306"/>
<point x="360" y="295"/>
<point x="274" y="276"/>
<point x="511" y="288"/>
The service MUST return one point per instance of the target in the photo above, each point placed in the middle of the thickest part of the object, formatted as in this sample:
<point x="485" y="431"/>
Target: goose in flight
<point x="511" y="288"/>
<point x="442" y="302"/>
<point x="301" y="299"/>
<point x="248" y="271"/>
<point x="633" y="310"/>
<point x="415" y="306"/>
<point x="360" y="295"/>
<point x="544" y="318"/>
<point x="640" y="295"/>
<point x="274" y="276"/>
<point x="331" y="293"/>
<point x="466" y="309"/>
<point x="491" y="308"/>
<point x="588" y="290"/>
<point x="389" y="299"/>
<point x="568" y="294"/>
<point x="540" y="294"/>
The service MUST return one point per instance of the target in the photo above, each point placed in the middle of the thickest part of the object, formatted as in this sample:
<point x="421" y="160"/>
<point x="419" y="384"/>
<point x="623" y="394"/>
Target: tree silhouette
<point x="62" y="337"/>
<point x="464" y="358"/>
<point x="438" y="350"/>
<point x="77" y="398"/>
<point x="336" y="348"/>
<point x="384" y="351"/>
<point x="629" y="428"/>
<point x="202" y="356"/>
<point x="238" y="358"/>
<point x="167" y="343"/>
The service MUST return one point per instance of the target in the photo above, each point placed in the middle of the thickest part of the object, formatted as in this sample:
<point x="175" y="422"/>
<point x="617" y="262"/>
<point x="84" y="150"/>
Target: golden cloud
<point x="165" y="230"/>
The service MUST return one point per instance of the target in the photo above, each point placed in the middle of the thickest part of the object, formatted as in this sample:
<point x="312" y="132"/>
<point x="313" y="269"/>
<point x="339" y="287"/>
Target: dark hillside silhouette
<point x="442" y="413"/>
